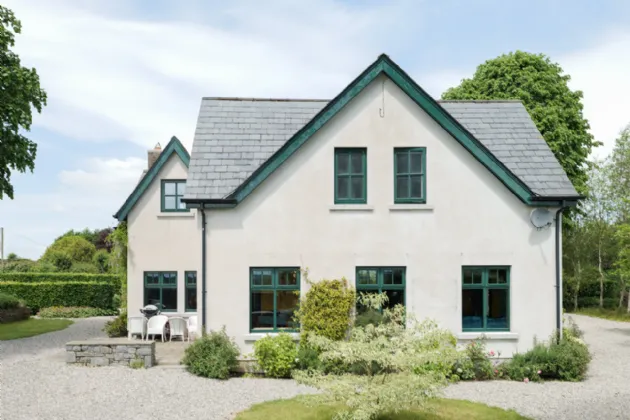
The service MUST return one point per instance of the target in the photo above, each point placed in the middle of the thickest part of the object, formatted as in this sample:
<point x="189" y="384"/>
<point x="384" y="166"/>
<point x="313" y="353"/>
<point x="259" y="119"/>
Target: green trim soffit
<point x="173" y="146"/>
<point x="384" y="65"/>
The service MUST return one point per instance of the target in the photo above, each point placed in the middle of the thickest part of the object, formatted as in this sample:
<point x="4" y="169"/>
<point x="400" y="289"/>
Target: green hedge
<point x="46" y="294"/>
<point x="59" y="277"/>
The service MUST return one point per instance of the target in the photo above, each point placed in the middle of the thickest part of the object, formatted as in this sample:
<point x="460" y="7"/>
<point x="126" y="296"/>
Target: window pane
<point x="399" y="276"/>
<point x="169" y="278"/>
<point x="492" y="277"/>
<point x="169" y="299"/>
<point x="257" y="278"/>
<point x="343" y="187"/>
<point x="416" y="162"/>
<point x="267" y="279"/>
<point x="191" y="278"/>
<point x="180" y="204"/>
<point x="366" y="277"/>
<point x="191" y="298"/>
<point x="472" y="308"/>
<point x="357" y="187"/>
<point x="402" y="186"/>
<point x="502" y="276"/>
<point x="343" y="163"/>
<point x="181" y="188"/>
<point x="396" y="297"/>
<point x="287" y="277"/>
<point x="286" y="303"/>
<point x="262" y="310"/>
<point x="416" y="186"/>
<point x="169" y="188"/>
<point x="497" y="309"/>
<point x="472" y="276"/>
<point x="356" y="162"/>
<point x="388" y="276"/>
<point x="153" y="278"/>
<point x="402" y="162"/>
<point x="361" y="309"/>
<point x="169" y="203"/>
<point x="152" y="296"/>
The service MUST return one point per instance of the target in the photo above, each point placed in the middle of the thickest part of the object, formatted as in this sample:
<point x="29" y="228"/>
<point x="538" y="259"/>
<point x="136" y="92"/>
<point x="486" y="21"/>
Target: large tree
<point x="19" y="92"/>
<point x="543" y="88"/>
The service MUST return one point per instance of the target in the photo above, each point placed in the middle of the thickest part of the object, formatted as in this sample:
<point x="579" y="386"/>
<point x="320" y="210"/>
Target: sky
<point x="124" y="75"/>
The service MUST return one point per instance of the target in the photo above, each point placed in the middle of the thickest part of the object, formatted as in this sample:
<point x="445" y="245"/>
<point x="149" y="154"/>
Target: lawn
<point x="440" y="409"/>
<point x="611" y="314"/>
<point x="31" y="327"/>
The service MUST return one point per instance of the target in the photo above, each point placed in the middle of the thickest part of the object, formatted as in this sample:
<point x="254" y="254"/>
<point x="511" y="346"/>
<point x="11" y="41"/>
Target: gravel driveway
<point x="604" y="395"/>
<point x="35" y="383"/>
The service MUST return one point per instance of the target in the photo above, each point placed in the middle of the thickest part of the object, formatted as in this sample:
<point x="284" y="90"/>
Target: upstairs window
<point x="410" y="175"/>
<point x="172" y="194"/>
<point x="350" y="176"/>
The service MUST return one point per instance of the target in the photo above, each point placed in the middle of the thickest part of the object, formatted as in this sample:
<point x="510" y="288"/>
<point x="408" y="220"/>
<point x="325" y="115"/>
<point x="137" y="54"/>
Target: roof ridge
<point x="235" y="98"/>
<point x="482" y="101"/>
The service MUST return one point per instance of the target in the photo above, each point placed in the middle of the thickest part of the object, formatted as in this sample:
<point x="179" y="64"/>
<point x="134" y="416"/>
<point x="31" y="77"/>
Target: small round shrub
<point x="8" y="301"/>
<point x="214" y="355"/>
<point x="276" y="355"/>
<point x="307" y="358"/>
<point x="117" y="327"/>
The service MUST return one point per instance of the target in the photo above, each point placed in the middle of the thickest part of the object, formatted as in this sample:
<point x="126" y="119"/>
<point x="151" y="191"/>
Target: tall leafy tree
<point x="620" y="175"/>
<point x="543" y="88"/>
<point x="19" y="93"/>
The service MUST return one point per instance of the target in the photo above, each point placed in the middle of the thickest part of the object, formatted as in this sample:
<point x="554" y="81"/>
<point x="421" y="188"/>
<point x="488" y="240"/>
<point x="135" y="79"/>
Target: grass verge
<point x="610" y="314"/>
<point x="438" y="409"/>
<point x="31" y="327"/>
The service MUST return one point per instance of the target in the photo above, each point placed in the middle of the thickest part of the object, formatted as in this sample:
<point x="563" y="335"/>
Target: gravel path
<point x="604" y="395"/>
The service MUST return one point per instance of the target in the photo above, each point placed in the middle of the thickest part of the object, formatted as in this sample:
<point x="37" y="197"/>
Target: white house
<point x="429" y="201"/>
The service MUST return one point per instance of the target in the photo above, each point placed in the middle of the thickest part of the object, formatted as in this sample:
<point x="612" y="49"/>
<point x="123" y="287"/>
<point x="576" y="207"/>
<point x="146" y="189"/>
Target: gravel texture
<point x="35" y="383"/>
<point x="604" y="395"/>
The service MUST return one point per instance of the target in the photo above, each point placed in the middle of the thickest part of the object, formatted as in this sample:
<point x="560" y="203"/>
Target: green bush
<point x="101" y="260"/>
<point x="59" y="277"/>
<point x="214" y="355"/>
<point x="369" y="316"/>
<point x="307" y="358"/>
<point x="327" y="309"/>
<point x="60" y="260"/>
<point x="74" y="312"/>
<point x="474" y="363"/>
<point x="76" y="248"/>
<point x="82" y="267"/>
<point x="276" y="355"/>
<point x="9" y="301"/>
<point x="46" y="294"/>
<point x="19" y="265"/>
<point x="117" y="327"/>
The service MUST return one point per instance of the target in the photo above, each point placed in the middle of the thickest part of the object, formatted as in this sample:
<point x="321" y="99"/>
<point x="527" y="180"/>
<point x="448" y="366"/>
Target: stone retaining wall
<point x="110" y="352"/>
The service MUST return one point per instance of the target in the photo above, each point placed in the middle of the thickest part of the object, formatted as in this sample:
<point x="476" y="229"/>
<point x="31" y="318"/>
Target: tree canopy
<point x="19" y="91"/>
<point x="543" y="88"/>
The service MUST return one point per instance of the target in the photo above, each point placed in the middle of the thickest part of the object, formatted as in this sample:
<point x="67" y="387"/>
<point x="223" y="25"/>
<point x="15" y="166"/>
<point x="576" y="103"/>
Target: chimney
<point x="153" y="155"/>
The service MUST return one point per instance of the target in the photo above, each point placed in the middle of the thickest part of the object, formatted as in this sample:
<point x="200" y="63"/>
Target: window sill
<point x="175" y="214"/>
<point x="257" y="336"/>
<point x="351" y="207"/>
<point x="490" y="335"/>
<point x="410" y="207"/>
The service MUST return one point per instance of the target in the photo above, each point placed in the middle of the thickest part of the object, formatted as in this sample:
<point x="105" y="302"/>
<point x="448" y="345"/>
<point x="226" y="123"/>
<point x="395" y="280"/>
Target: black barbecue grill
<point x="150" y="310"/>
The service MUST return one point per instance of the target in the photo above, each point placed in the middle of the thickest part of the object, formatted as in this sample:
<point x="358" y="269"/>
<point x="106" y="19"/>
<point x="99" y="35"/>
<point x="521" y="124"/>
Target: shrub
<point x="307" y="357"/>
<point x="276" y="355"/>
<point x="59" y="277"/>
<point x="136" y="364"/>
<point x="117" y="327"/>
<point x="60" y="260"/>
<point x="370" y="316"/>
<point x="76" y="248"/>
<point x="327" y="308"/>
<point x="74" y="312"/>
<point x="101" y="260"/>
<point x="476" y="362"/>
<point x="214" y="355"/>
<point x="19" y="265"/>
<point x="9" y="301"/>
<point x="82" y="267"/>
<point x="46" y="294"/>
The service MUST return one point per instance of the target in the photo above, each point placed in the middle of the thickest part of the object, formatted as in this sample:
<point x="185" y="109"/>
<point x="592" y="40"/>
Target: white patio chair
<point x="178" y="327"/>
<point x="136" y="325"/>
<point x="193" y="327"/>
<point x="156" y="325"/>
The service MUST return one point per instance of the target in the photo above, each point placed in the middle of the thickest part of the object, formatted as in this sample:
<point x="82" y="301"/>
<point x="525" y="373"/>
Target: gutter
<point x="203" y="271"/>
<point x="563" y="206"/>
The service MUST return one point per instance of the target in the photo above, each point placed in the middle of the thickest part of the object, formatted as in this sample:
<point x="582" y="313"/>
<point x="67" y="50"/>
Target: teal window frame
<point x="190" y="287"/>
<point x="273" y="287"/>
<point x="405" y="153"/>
<point x="380" y="285"/>
<point x="351" y="174"/>
<point x="161" y="285"/>
<point x="485" y="286"/>
<point x="177" y="196"/>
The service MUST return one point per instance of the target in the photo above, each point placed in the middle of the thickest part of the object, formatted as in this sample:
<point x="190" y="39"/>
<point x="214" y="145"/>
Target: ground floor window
<point x="274" y="297"/>
<point x="191" y="291"/>
<point x="160" y="289"/>
<point x="485" y="298"/>
<point x="388" y="280"/>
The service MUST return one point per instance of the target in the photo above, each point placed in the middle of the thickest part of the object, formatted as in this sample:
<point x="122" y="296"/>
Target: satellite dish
<point x="541" y="218"/>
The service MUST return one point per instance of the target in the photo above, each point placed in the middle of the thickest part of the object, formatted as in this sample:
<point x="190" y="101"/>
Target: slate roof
<point x="234" y="136"/>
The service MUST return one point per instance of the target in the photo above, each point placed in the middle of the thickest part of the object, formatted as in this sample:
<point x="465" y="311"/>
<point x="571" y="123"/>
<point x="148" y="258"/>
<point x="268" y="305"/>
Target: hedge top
<point x="59" y="277"/>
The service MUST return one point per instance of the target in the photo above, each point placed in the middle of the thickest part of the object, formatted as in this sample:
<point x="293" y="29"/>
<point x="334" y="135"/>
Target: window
<point x="388" y="280"/>
<point x="191" y="291"/>
<point x="172" y="194"/>
<point x="160" y="289"/>
<point x="409" y="175"/>
<point x="485" y="298"/>
<point x="350" y="176"/>
<point x="274" y="298"/>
